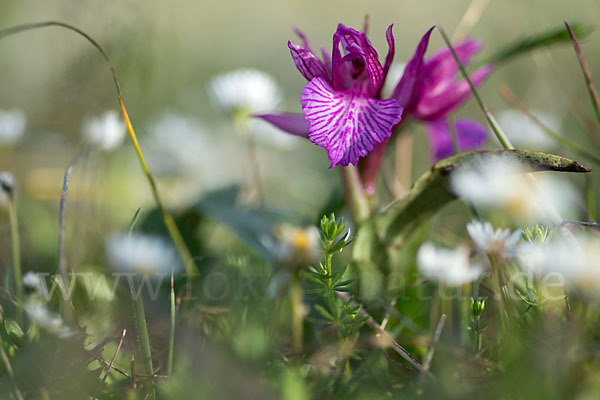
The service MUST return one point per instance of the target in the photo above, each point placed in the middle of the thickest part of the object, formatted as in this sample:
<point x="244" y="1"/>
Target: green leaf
<point x="538" y="40"/>
<point x="12" y="328"/>
<point x="324" y="313"/>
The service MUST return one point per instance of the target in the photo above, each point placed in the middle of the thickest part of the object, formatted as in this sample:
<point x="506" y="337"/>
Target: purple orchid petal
<point x="307" y="63"/>
<point x="434" y="105"/>
<point x="389" y="35"/>
<point x="295" y="124"/>
<point x="407" y="92"/>
<point x="347" y="124"/>
<point x="373" y="66"/>
<point x="470" y="135"/>
<point x="303" y="38"/>
<point x="440" y="71"/>
<point x="326" y="61"/>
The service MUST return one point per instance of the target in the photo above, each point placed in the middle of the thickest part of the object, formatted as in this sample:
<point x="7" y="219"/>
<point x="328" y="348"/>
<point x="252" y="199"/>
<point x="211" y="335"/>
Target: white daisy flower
<point x="244" y="90"/>
<point x="105" y="132"/>
<point x="142" y="254"/>
<point x="7" y="187"/>
<point x="12" y="126"/>
<point x="507" y="187"/>
<point x="448" y="266"/>
<point x="524" y="133"/>
<point x="46" y="319"/>
<point x="33" y="282"/>
<point x="576" y="259"/>
<point x="499" y="243"/>
<point x="178" y="145"/>
<point x="298" y="247"/>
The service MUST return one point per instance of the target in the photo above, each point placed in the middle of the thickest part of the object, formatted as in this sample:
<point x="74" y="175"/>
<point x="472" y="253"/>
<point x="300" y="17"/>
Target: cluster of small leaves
<point x="539" y="234"/>
<point x="477" y="326"/>
<point x="343" y="314"/>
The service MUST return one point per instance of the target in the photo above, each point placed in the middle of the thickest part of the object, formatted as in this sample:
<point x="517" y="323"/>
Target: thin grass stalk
<point x="586" y="72"/>
<point x="172" y="335"/>
<point x="502" y="138"/>
<point x="188" y="261"/>
<point x="512" y="101"/>
<point x="16" y="255"/>
<point x="142" y="328"/>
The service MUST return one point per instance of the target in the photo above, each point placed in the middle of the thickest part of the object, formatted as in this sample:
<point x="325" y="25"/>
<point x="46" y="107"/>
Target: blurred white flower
<point x="576" y="258"/>
<point x="46" y="319"/>
<point x="244" y="90"/>
<point x="7" y="187"/>
<point x="448" y="266"/>
<point x="499" y="243"/>
<point x="33" y="282"/>
<point x="12" y="126"/>
<point x="298" y="247"/>
<point x="105" y="132"/>
<point x="507" y="187"/>
<point x="142" y="254"/>
<point x="524" y="133"/>
<point x="178" y="145"/>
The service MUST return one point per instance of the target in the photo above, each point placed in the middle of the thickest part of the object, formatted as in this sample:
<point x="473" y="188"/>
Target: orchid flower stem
<point x="356" y="199"/>
<point x="16" y="254"/>
<point x="586" y="71"/>
<point x="297" y="314"/>
<point x="172" y="335"/>
<point x="502" y="138"/>
<point x="511" y="100"/>
<point x="188" y="261"/>
<point x="142" y="328"/>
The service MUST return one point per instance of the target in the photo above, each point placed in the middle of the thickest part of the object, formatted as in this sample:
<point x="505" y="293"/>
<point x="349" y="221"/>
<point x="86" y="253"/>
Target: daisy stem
<point x="497" y="282"/>
<point x="140" y="318"/>
<point x="172" y="336"/>
<point x="297" y="317"/>
<point x="16" y="254"/>
<point x="502" y="138"/>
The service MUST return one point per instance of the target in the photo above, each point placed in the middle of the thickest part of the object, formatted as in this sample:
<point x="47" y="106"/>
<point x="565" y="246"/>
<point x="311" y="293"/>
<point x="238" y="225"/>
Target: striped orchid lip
<point x="342" y="105"/>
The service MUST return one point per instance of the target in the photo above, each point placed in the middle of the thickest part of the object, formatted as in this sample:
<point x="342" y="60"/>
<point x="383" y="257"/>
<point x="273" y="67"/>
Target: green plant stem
<point x="477" y="333"/>
<point x="356" y="198"/>
<point x="142" y="328"/>
<point x="172" y="335"/>
<point x="297" y="314"/>
<point x="502" y="138"/>
<point x="16" y="254"/>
